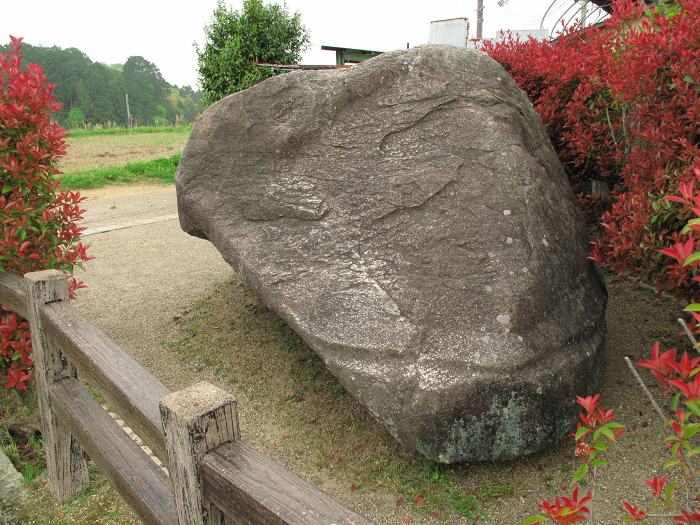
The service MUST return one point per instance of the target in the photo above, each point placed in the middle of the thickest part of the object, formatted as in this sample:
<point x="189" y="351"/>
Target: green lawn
<point x="157" y="170"/>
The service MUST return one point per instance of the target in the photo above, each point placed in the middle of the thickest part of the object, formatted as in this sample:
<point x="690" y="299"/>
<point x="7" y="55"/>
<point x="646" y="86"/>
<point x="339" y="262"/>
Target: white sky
<point x="164" y="31"/>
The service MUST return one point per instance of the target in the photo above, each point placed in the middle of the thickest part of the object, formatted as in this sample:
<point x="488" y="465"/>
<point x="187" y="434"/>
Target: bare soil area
<point x="99" y="151"/>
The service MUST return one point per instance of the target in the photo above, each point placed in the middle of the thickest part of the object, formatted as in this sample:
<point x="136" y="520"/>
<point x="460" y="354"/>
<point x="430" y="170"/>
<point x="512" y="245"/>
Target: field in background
<point x="158" y="171"/>
<point x="91" y="132"/>
<point x="88" y="151"/>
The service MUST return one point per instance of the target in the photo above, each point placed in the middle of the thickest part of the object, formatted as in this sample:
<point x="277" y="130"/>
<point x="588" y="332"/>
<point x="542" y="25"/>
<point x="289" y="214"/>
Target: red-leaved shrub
<point x="621" y="104"/>
<point x="39" y="229"/>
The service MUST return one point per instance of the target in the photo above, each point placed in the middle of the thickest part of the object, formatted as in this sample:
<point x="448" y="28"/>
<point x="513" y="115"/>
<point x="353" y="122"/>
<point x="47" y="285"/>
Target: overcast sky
<point x="164" y="31"/>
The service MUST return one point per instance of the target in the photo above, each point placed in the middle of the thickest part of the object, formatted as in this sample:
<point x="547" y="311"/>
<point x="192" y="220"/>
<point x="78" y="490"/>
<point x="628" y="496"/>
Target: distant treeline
<point x="94" y="94"/>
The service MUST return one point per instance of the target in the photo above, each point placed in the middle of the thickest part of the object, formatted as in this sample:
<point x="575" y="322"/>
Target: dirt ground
<point x="113" y="150"/>
<point x="175" y="305"/>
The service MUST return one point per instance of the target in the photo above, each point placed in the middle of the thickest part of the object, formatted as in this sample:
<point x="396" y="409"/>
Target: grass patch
<point x="74" y="133"/>
<point x="158" y="170"/>
<point x="25" y="451"/>
<point x="20" y="437"/>
<point x="100" y="151"/>
<point x="98" y="504"/>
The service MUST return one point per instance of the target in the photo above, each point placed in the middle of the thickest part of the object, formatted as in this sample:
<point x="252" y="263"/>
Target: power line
<point x="533" y="19"/>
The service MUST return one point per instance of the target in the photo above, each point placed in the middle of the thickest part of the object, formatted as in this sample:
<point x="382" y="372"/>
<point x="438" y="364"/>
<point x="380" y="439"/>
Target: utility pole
<point x="479" y="19"/>
<point x="128" y="113"/>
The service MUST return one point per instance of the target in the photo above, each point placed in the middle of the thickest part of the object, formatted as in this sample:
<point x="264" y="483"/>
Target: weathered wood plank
<point x="13" y="293"/>
<point x="196" y="420"/>
<point x="214" y="515"/>
<point x="129" y="387"/>
<point x="144" y="485"/>
<point x="65" y="460"/>
<point x="250" y="488"/>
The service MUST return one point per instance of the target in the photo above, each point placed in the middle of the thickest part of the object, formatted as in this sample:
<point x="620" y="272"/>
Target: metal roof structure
<point x="347" y="55"/>
<point x="607" y="4"/>
<point x="563" y="13"/>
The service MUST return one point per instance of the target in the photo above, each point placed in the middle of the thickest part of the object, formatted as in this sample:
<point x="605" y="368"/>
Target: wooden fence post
<point x="65" y="460"/>
<point x="195" y="421"/>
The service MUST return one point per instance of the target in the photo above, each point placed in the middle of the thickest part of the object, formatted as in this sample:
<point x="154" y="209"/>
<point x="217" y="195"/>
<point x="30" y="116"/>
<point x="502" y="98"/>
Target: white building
<point x="453" y="32"/>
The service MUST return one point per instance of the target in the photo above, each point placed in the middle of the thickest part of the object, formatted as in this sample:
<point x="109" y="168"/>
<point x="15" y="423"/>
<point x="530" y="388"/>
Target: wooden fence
<point x="212" y="477"/>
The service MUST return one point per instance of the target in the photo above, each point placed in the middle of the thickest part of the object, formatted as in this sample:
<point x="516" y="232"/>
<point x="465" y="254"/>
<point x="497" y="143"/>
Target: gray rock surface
<point x="11" y="491"/>
<point x="410" y="220"/>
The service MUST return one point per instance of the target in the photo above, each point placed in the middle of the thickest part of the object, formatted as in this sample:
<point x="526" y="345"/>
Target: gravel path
<point x="145" y="275"/>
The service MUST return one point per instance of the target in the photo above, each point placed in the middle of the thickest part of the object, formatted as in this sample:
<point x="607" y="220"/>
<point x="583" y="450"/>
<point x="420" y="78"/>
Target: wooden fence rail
<point x="212" y="477"/>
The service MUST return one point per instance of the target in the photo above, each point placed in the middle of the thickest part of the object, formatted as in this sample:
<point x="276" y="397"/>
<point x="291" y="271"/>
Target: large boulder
<point x="410" y="221"/>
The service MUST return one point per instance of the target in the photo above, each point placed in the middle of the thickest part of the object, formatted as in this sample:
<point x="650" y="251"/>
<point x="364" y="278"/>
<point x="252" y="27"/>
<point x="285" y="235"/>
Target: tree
<point x="146" y="88"/>
<point x="97" y="90"/>
<point x="185" y="104"/>
<point x="160" y="118"/>
<point x="76" y="118"/>
<point x="237" y="41"/>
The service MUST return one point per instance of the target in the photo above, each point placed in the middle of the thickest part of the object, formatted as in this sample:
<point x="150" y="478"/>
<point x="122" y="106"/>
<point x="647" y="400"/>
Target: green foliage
<point x="236" y="41"/>
<point x="26" y="456"/>
<point x="159" y="118"/>
<point x="76" y="117"/>
<point x="146" y="87"/>
<point x="157" y="170"/>
<point x="185" y="104"/>
<point x="18" y="439"/>
<point x="98" y="90"/>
